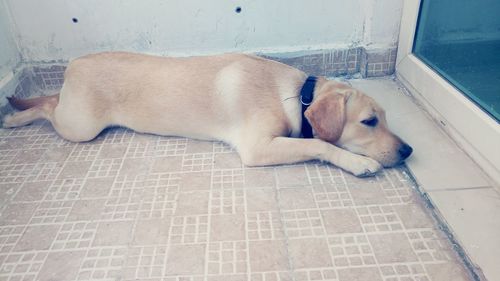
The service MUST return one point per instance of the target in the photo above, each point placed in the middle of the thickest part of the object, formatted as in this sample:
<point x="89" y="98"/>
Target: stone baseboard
<point x="342" y="62"/>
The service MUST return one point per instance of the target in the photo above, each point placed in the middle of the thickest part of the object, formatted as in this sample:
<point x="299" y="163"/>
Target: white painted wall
<point x="9" y="55"/>
<point x="45" y="31"/>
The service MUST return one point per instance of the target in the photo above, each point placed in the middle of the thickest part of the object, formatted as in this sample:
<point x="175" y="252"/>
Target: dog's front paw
<point x="362" y="166"/>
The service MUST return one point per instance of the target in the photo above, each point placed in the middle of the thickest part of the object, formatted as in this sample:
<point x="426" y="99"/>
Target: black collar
<point x="306" y="97"/>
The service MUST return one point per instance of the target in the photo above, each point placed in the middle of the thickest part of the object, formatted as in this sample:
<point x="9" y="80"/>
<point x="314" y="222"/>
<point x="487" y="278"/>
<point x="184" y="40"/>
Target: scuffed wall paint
<point x="9" y="55"/>
<point x="381" y="20"/>
<point x="45" y="30"/>
<point x="386" y="20"/>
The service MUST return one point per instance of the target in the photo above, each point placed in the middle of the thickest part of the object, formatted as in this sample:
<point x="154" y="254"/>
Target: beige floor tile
<point x="227" y="228"/>
<point x="414" y="215"/>
<point x="144" y="263"/>
<point x="227" y="201"/>
<point x="303" y="223"/>
<point x="447" y="271"/>
<point x="61" y="266"/>
<point x="105" y="263"/>
<point x="13" y="143"/>
<point x="113" y="233"/>
<point x="59" y="154"/>
<point x="367" y="194"/>
<point x="227" y="161"/>
<point x="268" y="255"/>
<point x="473" y="216"/>
<point x="229" y="258"/>
<point x="264" y="226"/>
<point x="17" y="213"/>
<point x="186" y="259"/>
<point x="192" y="203"/>
<point x="75" y="170"/>
<point x="112" y="151"/>
<point x="97" y="187"/>
<point x="392" y="248"/>
<point x="33" y="191"/>
<point x="153" y="232"/>
<point x="341" y="221"/>
<point x="196" y="146"/>
<point x="9" y="190"/>
<point x="261" y="200"/>
<point x="135" y="166"/>
<point x="28" y="156"/>
<point x="189" y="229"/>
<point x="296" y="198"/>
<point x="87" y="210"/>
<point x="37" y="237"/>
<point x="259" y="177"/>
<point x="237" y="277"/>
<point x="290" y="176"/>
<point x="167" y="164"/>
<point x="309" y="253"/>
<point x="195" y="181"/>
<point x="360" y="274"/>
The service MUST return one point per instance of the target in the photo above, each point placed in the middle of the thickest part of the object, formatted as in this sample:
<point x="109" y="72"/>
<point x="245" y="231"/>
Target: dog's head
<point x="346" y="117"/>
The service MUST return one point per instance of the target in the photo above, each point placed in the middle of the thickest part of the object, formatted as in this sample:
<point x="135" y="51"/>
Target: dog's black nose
<point x="405" y="151"/>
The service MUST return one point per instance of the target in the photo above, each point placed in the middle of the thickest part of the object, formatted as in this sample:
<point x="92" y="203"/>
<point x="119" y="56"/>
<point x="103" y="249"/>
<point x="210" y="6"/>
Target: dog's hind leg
<point x="24" y="117"/>
<point x="32" y="109"/>
<point x="70" y="121"/>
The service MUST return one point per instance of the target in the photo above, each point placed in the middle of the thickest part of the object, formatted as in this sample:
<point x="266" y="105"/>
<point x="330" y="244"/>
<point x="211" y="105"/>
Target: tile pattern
<point x="378" y="62"/>
<point x="140" y="207"/>
<point x="325" y="62"/>
<point x="330" y="63"/>
<point x="49" y="77"/>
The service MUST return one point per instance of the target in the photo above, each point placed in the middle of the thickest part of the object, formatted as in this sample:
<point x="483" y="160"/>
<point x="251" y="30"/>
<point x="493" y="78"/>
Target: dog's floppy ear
<point x="327" y="116"/>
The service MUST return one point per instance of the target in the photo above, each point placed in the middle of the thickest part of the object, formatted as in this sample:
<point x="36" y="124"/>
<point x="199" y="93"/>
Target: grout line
<point x="474" y="271"/>
<point x="209" y="220"/>
<point x="247" y="240"/>
<point x="282" y="219"/>
<point x="455" y="188"/>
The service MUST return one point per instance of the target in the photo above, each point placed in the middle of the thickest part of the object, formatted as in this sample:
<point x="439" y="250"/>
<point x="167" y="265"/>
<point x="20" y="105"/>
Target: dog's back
<point x="201" y="97"/>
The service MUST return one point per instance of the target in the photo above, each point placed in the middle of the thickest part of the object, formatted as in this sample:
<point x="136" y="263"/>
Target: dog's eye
<point x="370" y="122"/>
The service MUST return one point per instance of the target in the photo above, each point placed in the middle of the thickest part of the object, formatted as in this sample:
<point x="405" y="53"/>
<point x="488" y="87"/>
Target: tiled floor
<point x="128" y="206"/>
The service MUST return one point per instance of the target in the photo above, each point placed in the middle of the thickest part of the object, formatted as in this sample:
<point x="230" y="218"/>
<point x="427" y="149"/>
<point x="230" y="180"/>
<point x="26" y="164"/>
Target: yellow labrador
<point x="249" y="102"/>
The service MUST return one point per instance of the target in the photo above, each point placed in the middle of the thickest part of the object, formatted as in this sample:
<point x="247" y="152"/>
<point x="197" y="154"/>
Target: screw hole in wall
<point x="238" y="10"/>
<point x="75" y="20"/>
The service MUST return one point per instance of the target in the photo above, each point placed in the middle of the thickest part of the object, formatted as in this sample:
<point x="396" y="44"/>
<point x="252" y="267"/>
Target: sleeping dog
<point x="270" y="112"/>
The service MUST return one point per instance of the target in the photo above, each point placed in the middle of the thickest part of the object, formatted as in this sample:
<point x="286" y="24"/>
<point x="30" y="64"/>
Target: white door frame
<point x="474" y="130"/>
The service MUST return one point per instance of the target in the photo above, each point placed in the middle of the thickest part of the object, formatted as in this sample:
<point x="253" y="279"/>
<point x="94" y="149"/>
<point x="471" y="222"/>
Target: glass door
<point x="460" y="40"/>
<point x="449" y="59"/>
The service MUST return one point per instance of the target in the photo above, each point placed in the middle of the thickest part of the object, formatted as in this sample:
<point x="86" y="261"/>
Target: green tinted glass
<point x="460" y="39"/>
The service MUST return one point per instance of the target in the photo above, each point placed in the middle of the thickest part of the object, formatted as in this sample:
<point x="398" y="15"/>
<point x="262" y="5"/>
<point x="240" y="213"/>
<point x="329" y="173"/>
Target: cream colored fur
<point x="247" y="101"/>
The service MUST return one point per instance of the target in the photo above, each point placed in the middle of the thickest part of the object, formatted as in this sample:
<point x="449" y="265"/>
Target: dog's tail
<point x="23" y="104"/>
<point x="32" y="109"/>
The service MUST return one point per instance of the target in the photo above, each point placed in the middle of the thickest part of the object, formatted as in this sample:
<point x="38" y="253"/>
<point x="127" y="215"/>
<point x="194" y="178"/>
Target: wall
<point x="45" y="30"/>
<point x="9" y="56"/>
<point x="382" y="20"/>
